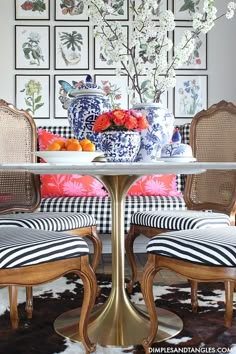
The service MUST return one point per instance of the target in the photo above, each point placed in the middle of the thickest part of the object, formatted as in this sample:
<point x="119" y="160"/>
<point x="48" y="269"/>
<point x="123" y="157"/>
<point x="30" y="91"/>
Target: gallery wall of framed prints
<point x="55" y="49"/>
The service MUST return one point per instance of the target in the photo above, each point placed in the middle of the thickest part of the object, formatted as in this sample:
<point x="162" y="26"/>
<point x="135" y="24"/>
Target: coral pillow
<point x="155" y="185"/>
<point x="66" y="185"/>
<point x="87" y="186"/>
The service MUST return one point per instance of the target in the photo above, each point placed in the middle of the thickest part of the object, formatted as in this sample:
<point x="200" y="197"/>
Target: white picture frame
<point x="71" y="47"/>
<point x="32" y="94"/>
<point x="32" y="46"/>
<point x="190" y="95"/>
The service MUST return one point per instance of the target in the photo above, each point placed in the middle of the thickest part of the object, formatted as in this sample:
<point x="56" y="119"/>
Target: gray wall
<point x="221" y="58"/>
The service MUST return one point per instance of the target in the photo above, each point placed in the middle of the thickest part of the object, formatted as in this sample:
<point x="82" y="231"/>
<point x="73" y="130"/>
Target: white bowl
<point x="68" y="156"/>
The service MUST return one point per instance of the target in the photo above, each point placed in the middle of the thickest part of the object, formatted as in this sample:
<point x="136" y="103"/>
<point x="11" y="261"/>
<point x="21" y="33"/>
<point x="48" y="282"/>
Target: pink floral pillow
<point x="87" y="186"/>
<point x="66" y="185"/>
<point x="155" y="185"/>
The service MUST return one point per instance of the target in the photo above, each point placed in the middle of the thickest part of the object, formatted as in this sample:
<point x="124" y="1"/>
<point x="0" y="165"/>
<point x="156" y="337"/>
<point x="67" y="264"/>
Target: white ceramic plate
<point x="178" y="159"/>
<point x="68" y="156"/>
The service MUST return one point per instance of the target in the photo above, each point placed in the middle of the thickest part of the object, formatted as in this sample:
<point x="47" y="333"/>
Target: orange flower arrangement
<point x="120" y="119"/>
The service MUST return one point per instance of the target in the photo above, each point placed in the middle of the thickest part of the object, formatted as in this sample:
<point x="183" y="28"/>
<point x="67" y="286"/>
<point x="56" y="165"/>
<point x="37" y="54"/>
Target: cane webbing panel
<point x="213" y="138"/>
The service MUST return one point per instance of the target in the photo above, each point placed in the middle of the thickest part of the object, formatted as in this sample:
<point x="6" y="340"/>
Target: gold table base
<point x="129" y="332"/>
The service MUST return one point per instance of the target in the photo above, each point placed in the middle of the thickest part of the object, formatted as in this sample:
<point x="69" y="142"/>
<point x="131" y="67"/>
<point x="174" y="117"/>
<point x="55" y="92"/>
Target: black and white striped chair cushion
<point x="180" y="220"/>
<point x="215" y="247"/>
<point x="48" y="221"/>
<point x="30" y="247"/>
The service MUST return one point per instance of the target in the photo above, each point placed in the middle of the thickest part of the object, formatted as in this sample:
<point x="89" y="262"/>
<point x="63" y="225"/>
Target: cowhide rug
<point x="203" y="332"/>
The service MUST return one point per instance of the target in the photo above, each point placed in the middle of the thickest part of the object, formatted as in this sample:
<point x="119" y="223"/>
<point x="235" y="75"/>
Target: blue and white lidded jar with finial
<point x="89" y="102"/>
<point x="176" y="149"/>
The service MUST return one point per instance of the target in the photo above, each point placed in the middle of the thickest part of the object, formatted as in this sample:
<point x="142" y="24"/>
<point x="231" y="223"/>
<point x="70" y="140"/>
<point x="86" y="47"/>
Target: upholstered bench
<point x="100" y="207"/>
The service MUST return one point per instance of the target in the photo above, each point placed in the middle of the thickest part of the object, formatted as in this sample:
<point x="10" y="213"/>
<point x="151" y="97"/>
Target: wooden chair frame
<point x="190" y="187"/>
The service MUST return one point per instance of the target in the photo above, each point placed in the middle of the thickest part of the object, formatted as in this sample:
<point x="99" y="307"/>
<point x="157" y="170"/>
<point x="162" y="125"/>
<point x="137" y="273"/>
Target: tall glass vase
<point x="159" y="132"/>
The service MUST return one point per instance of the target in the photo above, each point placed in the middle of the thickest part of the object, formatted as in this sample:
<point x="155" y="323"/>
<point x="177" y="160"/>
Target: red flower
<point x="102" y="123"/>
<point x="120" y="119"/>
<point x="28" y="5"/>
<point x="198" y="61"/>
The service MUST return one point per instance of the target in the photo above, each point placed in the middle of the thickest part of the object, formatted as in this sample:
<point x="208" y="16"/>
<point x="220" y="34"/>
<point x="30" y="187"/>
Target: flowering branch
<point x="144" y="59"/>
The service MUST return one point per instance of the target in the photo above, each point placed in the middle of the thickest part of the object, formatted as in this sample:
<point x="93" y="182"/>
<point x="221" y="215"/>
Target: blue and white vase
<point x="159" y="132"/>
<point x="120" y="146"/>
<point x="89" y="102"/>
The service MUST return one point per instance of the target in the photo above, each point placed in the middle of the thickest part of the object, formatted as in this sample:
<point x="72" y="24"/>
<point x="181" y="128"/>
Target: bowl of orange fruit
<point x="69" y="151"/>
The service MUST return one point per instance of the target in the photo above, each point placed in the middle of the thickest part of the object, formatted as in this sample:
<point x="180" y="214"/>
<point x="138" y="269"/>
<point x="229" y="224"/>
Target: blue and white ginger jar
<point x="159" y="132"/>
<point x="175" y="148"/>
<point x="89" y="102"/>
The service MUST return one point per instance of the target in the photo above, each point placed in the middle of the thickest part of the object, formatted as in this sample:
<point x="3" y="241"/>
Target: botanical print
<point x="198" y="58"/>
<point x="148" y="95"/>
<point x="120" y="9"/>
<point x="32" y="94"/>
<point x="32" y="10"/>
<point x="32" y="47"/>
<point x="71" y="10"/>
<point x="63" y="84"/>
<point x="184" y="9"/>
<point x="71" y="47"/>
<point x="101" y="58"/>
<point x="162" y="5"/>
<point x="115" y="88"/>
<point x="190" y="95"/>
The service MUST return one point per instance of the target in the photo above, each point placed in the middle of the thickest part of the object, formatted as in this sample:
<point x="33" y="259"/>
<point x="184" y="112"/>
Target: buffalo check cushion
<point x="30" y="247"/>
<point x="100" y="207"/>
<point x="48" y="221"/>
<point x="211" y="247"/>
<point x="180" y="220"/>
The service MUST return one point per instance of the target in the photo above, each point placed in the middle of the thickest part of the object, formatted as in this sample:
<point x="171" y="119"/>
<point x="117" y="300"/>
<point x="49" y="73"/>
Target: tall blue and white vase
<point x="159" y="132"/>
<point x="88" y="103"/>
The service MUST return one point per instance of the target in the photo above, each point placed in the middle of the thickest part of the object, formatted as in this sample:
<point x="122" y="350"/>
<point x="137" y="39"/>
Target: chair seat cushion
<point x="212" y="246"/>
<point x="180" y="220"/>
<point x="48" y="221"/>
<point x="29" y="247"/>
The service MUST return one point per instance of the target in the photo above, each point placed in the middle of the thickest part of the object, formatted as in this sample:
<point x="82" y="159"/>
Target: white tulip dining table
<point x="118" y="322"/>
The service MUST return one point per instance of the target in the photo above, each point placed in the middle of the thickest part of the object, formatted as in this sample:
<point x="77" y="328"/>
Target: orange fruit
<point x="71" y="140"/>
<point x="60" y="142"/>
<point x="74" y="146"/>
<point x="89" y="147"/>
<point x="84" y="142"/>
<point x="54" y="147"/>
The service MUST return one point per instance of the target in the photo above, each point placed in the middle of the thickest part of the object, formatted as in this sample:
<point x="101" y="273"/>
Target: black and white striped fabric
<point x="213" y="246"/>
<point x="100" y="207"/>
<point x="30" y="247"/>
<point x="48" y="221"/>
<point x="180" y="220"/>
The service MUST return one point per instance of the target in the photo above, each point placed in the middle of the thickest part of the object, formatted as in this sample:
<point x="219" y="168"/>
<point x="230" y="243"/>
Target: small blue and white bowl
<point x="176" y="150"/>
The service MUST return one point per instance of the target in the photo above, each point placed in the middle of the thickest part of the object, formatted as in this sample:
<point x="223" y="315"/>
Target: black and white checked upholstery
<point x="48" y="221"/>
<point x="212" y="246"/>
<point x="180" y="220"/>
<point x="30" y="247"/>
<point x="100" y="207"/>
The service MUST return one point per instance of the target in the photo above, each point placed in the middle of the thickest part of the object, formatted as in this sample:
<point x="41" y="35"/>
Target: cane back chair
<point x="20" y="191"/>
<point x="209" y="197"/>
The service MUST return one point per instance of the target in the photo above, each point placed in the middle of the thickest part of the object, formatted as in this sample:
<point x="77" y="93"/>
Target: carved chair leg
<point x="194" y="297"/>
<point x="13" y="293"/>
<point x="90" y="288"/>
<point x="229" y="294"/>
<point x="29" y="302"/>
<point x="149" y="272"/>
<point x="97" y="248"/>
<point x="129" y="249"/>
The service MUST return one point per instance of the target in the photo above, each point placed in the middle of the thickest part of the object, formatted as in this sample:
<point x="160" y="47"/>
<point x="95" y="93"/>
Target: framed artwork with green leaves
<point x="32" y="46"/>
<point x="32" y="10"/>
<point x="198" y="58"/>
<point x="71" y="10"/>
<point x="184" y="9"/>
<point x="32" y="94"/>
<point x="72" y="47"/>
